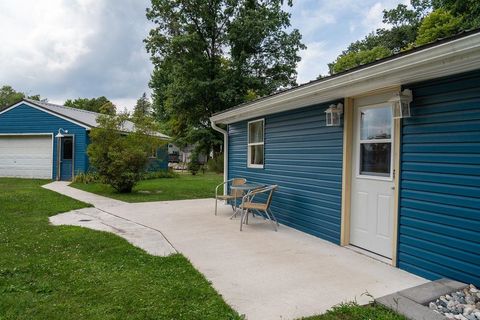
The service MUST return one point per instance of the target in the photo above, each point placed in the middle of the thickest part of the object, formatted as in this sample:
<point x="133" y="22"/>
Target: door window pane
<point x="375" y="159"/>
<point x="376" y="123"/>
<point x="67" y="149"/>
<point x="256" y="154"/>
<point x="255" y="132"/>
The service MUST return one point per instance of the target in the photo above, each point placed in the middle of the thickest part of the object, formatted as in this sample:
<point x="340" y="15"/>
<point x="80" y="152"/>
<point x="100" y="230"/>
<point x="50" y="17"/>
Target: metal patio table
<point x="246" y="187"/>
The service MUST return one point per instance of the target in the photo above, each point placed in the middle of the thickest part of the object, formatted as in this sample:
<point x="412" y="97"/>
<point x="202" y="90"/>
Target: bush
<point x="193" y="165"/>
<point x="160" y="174"/>
<point x="87" y="177"/>
<point x="216" y="164"/>
<point x="118" y="157"/>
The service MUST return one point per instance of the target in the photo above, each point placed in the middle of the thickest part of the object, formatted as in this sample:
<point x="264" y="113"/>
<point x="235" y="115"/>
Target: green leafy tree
<point x="211" y="55"/>
<point x="100" y="105"/>
<point x="194" y="164"/>
<point x="120" y="158"/>
<point x="143" y="106"/>
<point x="438" y="24"/>
<point x="467" y="10"/>
<point x="423" y="22"/>
<point x="9" y="96"/>
<point x="353" y="59"/>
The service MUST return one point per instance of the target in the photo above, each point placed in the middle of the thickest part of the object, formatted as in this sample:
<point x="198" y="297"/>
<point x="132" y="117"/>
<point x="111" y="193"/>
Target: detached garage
<point x="47" y="141"/>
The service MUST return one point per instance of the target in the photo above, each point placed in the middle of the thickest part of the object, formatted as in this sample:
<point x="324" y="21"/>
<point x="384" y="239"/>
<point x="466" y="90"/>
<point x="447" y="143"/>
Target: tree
<point x="211" y="55"/>
<point x="384" y="41"/>
<point x="425" y="21"/>
<point x="353" y="59"/>
<point x="467" y="10"/>
<point x="438" y="24"/>
<point x="120" y="158"/>
<point x="143" y="106"/>
<point x="9" y="96"/>
<point x="100" y="105"/>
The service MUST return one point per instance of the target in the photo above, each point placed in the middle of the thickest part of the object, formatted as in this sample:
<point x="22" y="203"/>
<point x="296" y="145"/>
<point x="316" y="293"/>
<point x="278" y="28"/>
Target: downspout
<point x="225" y="152"/>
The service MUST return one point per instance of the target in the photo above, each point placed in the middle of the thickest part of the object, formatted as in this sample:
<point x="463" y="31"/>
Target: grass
<point x="51" y="272"/>
<point x="353" y="311"/>
<point x="185" y="186"/>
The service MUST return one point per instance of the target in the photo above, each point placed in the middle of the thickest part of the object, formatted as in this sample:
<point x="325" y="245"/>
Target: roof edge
<point x="39" y="106"/>
<point x="442" y="49"/>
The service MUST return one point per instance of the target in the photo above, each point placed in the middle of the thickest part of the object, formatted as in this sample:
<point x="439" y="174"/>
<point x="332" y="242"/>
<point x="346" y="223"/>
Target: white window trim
<point x="360" y="141"/>
<point x="153" y="153"/>
<point x="251" y="165"/>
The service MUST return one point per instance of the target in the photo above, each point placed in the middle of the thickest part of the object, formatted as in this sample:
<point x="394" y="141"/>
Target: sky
<point x="65" y="49"/>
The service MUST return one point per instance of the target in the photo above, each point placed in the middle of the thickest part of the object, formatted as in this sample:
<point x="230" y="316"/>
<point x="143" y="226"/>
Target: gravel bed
<point x="462" y="305"/>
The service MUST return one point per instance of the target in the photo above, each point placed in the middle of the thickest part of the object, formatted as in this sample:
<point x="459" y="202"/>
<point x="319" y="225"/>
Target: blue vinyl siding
<point x="439" y="230"/>
<point x="304" y="157"/>
<point x="25" y="119"/>
<point x="161" y="162"/>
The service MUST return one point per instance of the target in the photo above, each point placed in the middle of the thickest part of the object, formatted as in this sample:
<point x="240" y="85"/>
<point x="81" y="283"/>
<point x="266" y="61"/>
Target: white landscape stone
<point x="462" y="305"/>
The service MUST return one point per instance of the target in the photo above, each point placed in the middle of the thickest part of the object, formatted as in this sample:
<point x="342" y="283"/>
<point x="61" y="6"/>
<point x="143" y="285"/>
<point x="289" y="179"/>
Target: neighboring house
<point x="183" y="155"/>
<point x="29" y="147"/>
<point x="405" y="190"/>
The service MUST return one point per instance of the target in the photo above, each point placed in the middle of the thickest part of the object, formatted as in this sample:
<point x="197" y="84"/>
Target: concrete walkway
<point x="261" y="273"/>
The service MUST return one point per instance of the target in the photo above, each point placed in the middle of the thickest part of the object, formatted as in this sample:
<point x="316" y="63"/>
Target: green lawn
<point x="51" y="272"/>
<point x="185" y="186"/>
<point x="352" y="311"/>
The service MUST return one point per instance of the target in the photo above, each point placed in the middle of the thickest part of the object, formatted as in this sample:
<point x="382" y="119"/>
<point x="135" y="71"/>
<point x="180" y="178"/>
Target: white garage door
<point x="26" y="156"/>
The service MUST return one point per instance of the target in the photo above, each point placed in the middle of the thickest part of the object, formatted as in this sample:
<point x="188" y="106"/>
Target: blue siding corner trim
<point x="439" y="229"/>
<point x="302" y="156"/>
<point x="25" y="119"/>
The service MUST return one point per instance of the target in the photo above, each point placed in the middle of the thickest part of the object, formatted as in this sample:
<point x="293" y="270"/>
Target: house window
<point x="256" y="144"/>
<point x="153" y="153"/>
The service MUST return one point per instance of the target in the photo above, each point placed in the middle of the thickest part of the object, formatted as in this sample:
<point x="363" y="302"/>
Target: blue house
<point x="48" y="141"/>
<point x="383" y="159"/>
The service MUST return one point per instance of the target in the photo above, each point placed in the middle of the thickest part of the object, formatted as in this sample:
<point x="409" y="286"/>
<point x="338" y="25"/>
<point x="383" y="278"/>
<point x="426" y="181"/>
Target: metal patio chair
<point x="260" y="207"/>
<point x="232" y="195"/>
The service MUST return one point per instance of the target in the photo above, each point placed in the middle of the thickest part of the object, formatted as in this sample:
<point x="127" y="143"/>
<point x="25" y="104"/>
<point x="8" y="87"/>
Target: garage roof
<point x="87" y="119"/>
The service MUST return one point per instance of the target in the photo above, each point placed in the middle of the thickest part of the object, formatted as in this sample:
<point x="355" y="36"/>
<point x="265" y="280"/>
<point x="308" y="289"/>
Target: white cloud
<point x="65" y="49"/>
<point x="75" y="48"/>
<point x="373" y="16"/>
<point x="313" y="62"/>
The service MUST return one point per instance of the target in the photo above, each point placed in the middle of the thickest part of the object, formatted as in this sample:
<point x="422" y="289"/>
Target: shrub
<point x="118" y="157"/>
<point x="216" y="164"/>
<point x="87" y="177"/>
<point x="193" y="165"/>
<point x="160" y="174"/>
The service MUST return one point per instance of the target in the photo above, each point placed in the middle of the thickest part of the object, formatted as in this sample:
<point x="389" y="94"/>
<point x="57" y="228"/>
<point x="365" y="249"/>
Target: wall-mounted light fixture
<point x="59" y="134"/>
<point x="401" y="104"/>
<point x="332" y="115"/>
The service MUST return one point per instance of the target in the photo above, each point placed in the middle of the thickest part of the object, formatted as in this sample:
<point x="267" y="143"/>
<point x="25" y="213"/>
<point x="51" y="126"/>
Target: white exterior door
<point x="26" y="156"/>
<point x="371" y="212"/>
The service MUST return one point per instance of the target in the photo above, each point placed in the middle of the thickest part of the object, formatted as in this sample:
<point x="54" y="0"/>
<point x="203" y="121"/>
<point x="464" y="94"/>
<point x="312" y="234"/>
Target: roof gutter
<point x="225" y="152"/>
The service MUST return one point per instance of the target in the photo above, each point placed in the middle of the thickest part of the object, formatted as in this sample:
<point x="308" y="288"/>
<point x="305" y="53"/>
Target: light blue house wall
<point x="25" y="119"/>
<point x="439" y="230"/>
<point x="302" y="156"/>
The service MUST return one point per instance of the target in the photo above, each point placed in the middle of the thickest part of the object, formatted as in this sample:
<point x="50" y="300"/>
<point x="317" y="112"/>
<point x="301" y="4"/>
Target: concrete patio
<point x="260" y="273"/>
